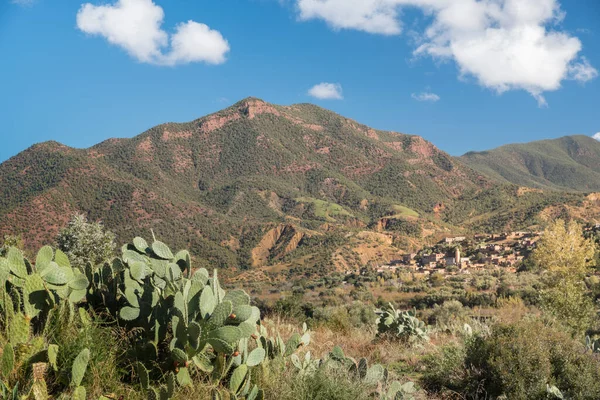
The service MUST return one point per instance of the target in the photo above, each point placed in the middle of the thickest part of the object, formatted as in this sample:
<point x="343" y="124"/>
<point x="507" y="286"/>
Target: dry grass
<point x="401" y="359"/>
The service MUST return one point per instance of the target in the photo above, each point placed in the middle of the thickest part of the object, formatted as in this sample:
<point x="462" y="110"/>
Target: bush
<point x="344" y="318"/>
<point x="518" y="361"/>
<point x="571" y="304"/>
<point x="86" y="242"/>
<point x="445" y="370"/>
<point x="323" y="385"/>
<point x="452" y="311"/>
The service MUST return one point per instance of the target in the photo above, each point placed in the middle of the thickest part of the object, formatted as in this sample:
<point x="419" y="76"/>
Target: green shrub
<point x="451" y="311"/>
<point x="445" y="370"/>
<point x="323" y="385"/>
<point x="517" y="361"/>
<point x="86" y="242"/>
<point x="344" y="318"/>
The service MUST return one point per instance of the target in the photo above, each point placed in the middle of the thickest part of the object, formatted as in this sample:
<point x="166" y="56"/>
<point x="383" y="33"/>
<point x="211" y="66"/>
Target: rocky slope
<point x="259" y="185"/>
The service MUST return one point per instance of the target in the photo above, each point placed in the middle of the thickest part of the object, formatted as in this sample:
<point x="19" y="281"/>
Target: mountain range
<point x="570" y="163"/>
<point x="295" y="189"/>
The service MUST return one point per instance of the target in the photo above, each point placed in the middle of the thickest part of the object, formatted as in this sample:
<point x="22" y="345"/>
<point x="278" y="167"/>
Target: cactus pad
<point x="16" y="262"/>
<point x="7" y="363"/>
<point x="131" y="297"/>
<point x="161" y="250"/>
<point x="129" y="313"/>
<point x="183" y="377"/>
<point x="207" y="302"/>
<point x="140" y="244"/>
<point x="79" y="393"/>
<point x="194" y="331"/>
<point x="79" y="282"/>
<point x="179" y="356"/>
<point x="220" y="314"/>
<point x="237" y="298"/>
<point x="44" y="256"/>
<point x="255" y="357"/>
<point x="61" y="259"/>
<point x="53" y="356"/>
<point x="237" y="378"/>
<point x="18" y="330"/>
<point x="201" y="276"/>
<point x="229" y="334"/>
<point x="221" y="346"/>
<point x="143" y="375"/>
<point x="54" y="275"/>
<point x="79" y="367"/>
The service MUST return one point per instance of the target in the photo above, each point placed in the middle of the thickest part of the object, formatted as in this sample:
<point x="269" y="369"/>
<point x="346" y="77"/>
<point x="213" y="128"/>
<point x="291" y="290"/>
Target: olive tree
<point x="86" y="242"/>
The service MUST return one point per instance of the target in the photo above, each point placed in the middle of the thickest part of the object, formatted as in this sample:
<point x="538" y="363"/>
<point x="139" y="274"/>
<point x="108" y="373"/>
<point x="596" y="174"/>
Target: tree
<point x="566" y="257"/>
<point x="86" y="242"/>
<point x="11" y="241"/>
<point x="564" y="252"/>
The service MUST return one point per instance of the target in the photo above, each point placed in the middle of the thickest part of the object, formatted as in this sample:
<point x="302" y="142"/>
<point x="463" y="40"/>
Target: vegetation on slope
<point x="571" y="163"/>
<point x="218" y="185"/>
<point x="149" y="325"/>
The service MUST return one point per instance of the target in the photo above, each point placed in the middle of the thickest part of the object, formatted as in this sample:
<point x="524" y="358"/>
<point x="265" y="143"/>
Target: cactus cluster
<point x="375" y="376"/>
<point x="33" y="290"/>
<point x="31" y="294"/>
<point x="205" y="329"/>
<point x="275" y="346"/>
<point x="18" y="357"/>
<point x="186" y="326"/>
<point x="401" y="325"/>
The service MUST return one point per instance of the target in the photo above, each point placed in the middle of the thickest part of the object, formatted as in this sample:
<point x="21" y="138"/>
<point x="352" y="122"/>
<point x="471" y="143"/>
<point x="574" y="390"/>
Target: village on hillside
<point x="463" y="255"/>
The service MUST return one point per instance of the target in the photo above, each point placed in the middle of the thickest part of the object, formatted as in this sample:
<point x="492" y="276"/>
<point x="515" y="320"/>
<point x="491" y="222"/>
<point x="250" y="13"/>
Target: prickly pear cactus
<point x="274" y="345"/>
<point x="402" y="325"/>
<point x="209" y="327"/>
<point x="37" y="289"/>
<point x="7" y="362"/>
<point x="79" y="367"/>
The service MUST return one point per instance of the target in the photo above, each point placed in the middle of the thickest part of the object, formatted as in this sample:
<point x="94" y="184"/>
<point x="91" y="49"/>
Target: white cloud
<point x="194" y="42"/>
<point x="582" y="71"/>
<point x="135" y="26"/>
<point x="503" y="44"/>
<point x="426" y="96"/>
<point x="327" y="91"/>
<point x="597" y="136"/>
<point x="373" y="16"/>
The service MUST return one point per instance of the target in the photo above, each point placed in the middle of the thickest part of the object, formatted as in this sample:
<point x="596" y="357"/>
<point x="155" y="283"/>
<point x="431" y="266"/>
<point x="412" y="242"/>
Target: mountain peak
<point x="250" y="99"/>
<point x="209" y="182"/>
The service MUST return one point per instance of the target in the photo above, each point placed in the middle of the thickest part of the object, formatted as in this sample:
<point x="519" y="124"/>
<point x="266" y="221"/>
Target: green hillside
<point x="258" y="183"/>
<point x="568" y="163"/>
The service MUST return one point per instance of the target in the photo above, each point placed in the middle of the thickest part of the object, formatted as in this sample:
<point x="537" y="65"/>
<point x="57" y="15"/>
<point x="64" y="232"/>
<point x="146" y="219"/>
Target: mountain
<point x="297" y="188"/>
<point x="571" y="163"/>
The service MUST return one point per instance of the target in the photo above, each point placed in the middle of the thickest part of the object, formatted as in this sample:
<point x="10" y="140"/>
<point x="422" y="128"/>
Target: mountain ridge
<point x="569" y="163"/>
<point x="257" y="185"/>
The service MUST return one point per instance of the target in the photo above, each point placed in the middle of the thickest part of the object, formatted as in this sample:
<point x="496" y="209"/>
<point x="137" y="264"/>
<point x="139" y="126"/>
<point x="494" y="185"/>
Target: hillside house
<point x="409" y="258"/>
<point x="458" y="239"/>
<point x="432" y="258"/>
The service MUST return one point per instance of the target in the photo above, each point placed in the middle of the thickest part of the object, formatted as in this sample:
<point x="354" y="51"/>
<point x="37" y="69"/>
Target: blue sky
<point x="468" y="78"/>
